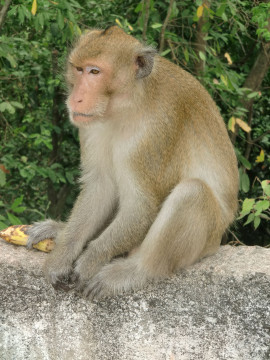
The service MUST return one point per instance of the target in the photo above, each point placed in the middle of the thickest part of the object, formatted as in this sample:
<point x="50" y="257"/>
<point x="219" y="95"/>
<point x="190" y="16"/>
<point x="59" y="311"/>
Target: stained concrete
<point x="217" y="309"/>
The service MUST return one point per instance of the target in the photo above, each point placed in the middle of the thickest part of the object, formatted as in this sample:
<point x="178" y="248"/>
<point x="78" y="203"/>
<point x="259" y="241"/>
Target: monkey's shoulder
<point x="176" y="81"/>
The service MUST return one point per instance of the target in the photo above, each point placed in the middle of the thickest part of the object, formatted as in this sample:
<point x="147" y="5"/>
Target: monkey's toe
<point x="94" y="291"/>
<point x="98" y="288"/>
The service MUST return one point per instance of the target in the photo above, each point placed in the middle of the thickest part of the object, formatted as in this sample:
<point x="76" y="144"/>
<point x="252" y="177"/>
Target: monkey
<point x="159" y="178"/>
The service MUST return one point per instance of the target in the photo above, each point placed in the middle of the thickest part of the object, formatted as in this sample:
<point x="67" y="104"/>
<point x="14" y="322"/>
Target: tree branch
<point x="200" y="43"/>
<point x="255" y="78"/>
<point x="260" y="137"/>
<point x="3" y="12"/>
<point x="146" y="18"/>
<point x="165" y="24"/>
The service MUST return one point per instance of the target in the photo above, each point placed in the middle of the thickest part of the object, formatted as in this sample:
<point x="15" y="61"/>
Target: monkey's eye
<point x="92" y="70"/>
<point x="79" y="69"/>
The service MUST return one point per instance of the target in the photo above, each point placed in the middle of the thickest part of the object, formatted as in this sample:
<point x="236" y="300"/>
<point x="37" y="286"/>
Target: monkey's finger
<point x="62" y="286"/>
<point x="18" y="235"/>
<point x="75" y="278"/>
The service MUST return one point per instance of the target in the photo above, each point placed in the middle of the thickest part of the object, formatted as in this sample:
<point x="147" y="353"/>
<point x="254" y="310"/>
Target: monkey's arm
<point x="125" y="233"/>
<point x="90" y="213"/>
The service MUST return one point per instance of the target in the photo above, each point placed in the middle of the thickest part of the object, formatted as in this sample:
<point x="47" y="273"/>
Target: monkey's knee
<point x="188" y="222"/>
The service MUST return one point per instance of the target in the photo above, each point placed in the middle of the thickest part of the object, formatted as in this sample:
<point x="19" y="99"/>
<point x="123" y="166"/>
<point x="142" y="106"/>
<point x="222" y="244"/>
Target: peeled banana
<point x="17" y="235"/>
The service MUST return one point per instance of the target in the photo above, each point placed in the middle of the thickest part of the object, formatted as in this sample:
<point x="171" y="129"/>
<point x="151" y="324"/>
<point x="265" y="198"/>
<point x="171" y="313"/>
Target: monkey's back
<point x="187" y="125"/>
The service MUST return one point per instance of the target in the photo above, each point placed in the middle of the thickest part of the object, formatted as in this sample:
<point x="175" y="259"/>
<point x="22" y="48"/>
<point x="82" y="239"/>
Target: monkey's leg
<point x="125" y="232"/>
<point x="187" y="228"/>
<point x="43" y="230"/>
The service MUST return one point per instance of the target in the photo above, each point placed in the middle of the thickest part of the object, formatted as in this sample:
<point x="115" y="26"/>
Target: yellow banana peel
<point x="17" y="235"/>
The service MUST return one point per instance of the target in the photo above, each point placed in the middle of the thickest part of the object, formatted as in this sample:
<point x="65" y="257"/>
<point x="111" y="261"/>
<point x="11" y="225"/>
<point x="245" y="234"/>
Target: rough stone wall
<point x="217" y="309"/>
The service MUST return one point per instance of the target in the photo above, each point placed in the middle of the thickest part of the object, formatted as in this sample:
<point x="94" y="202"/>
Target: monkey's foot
<point x="113" y="279"/>
<point x="86" y="267"/>
<point x="97" y="288"/>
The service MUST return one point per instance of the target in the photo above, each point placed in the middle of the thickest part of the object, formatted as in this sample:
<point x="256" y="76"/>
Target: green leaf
<point x="250" y="219"/>
<point x="224" y="17"/>
<point x="54" y="29"/>
<point x="2" y="178"/>
<point x="257" y="222"/>
<point x="248" y="205"/>
<point x="244" y="161"/>
<point x="243" y="214"/>
<point x="165" y="52"/>
<point x="261" y="206"/>
<point x="265" y="205"/>
<point x="11" y="60"/>
<point x="266" y="187"/>
<point x="186" y="54"/>
<point x="40" y="19"/>
<point x="202" y="56"/>
<point x="20" y="209"/>
<point x="221" y="10"/>
<point x="7" y="106"/>
<point x="3" y="225"/>
<point x="70" y="177"/>
<point x="245" y="183"/>
<point x="13" y="10"/>
<point x="13" y="219"/>
<point x="156" y="26"/>
<point x="60" y="20"/>
<point x="15" y="205"/>
<point x="138" y="8"/>
<point x="23" y="173"/>
<point x="16" y="202"/>
<point x="17" y="104"/>
<point x="224" y="79"/>
<point x="21" y="14"/>
<point x="252" y="95"/>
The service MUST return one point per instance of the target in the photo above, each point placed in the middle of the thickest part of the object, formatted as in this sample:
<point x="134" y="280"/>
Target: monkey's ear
<point x="145" y="62"/>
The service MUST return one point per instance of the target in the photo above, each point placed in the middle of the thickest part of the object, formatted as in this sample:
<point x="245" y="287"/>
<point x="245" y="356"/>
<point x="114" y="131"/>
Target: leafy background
<point x="225" y="44"/>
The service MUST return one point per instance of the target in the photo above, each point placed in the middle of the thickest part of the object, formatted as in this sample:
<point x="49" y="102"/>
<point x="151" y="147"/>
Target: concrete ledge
<point x="217" y="309"/>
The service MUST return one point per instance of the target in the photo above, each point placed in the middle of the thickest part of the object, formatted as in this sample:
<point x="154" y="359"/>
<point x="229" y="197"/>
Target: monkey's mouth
<point x="81" y="114"/>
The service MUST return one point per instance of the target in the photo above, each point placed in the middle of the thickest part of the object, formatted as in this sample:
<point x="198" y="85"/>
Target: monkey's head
<point x="105" y="70"/>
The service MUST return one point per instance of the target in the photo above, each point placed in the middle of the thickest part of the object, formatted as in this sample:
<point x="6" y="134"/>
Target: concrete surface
<point x="218" y="309"/>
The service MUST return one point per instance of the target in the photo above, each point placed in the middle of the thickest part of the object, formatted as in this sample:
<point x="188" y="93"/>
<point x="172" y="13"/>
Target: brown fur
<point x="159" y="174"/>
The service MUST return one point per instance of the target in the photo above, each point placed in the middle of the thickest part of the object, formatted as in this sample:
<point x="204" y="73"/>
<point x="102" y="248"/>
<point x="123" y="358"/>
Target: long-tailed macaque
<point x="159" y="175"/>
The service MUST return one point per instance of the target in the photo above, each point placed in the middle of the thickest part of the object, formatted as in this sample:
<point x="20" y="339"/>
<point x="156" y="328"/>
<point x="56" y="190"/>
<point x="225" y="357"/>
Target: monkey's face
<point x="90" y="92"/>
<point x="103" y="72"/>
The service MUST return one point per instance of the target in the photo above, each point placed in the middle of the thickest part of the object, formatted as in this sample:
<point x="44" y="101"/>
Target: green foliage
<point x="257" y="209"/>
<point x="39" y="152"/>
<point x="261" y="15"/>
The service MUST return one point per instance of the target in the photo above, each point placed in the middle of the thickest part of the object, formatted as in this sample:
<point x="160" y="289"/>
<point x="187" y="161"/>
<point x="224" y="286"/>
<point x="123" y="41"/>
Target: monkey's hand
<point x="58" y="268"/>
<point x="47" y="229"/>
<point x="87" y="266"/>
